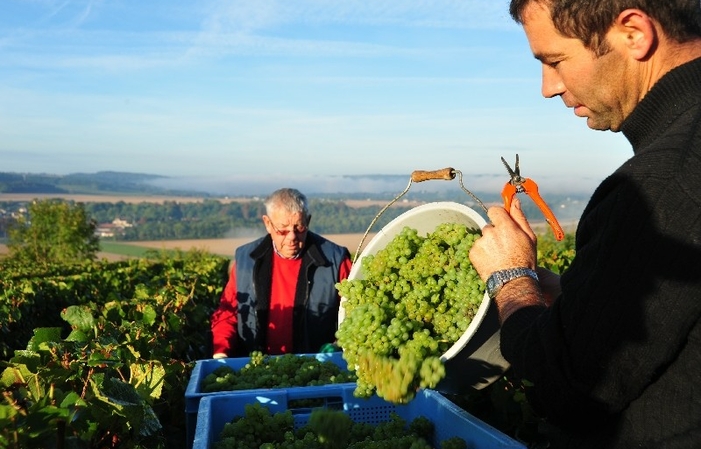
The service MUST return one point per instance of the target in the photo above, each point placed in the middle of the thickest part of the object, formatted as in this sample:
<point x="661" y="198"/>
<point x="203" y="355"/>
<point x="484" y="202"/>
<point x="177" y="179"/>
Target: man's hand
<point x="508" y="242"/>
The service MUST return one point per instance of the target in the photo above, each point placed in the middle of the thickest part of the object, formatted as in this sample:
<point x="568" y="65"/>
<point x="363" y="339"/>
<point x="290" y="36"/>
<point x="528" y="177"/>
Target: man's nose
<point x="552" y="84"/>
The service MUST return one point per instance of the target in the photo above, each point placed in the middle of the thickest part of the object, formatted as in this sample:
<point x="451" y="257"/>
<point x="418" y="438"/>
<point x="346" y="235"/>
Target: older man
<point x="281" y="294"/>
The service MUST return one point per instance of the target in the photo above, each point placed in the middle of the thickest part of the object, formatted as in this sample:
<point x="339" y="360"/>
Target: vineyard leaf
<point x="35" y="387"/>
<point x="43" y="335"/>
<point x="175" y="322"/>
<point x="14" y="375"/>
<point x="79" y="317"/>
<point x="29" y="359"/>
<point x="150" y="425"/>
<point x="148" y="315"/>
<point x="77" y="335"/>
<point x="125" y="401"/>
<point x="141" y="292"/>
<point x="73" y="399"/>
<point x="148" y="379"/>
<point x="7" y="412"/>
<point x="113" y="311"/>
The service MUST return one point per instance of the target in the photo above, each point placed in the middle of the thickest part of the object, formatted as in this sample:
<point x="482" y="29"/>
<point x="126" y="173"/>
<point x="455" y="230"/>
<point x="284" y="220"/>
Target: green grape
<point x="416" y="298"/>
<point x="326" y="429"/>
<point x="453" y="443"/>
<point x="332" y="427"/>
<point x="288" y="370"/>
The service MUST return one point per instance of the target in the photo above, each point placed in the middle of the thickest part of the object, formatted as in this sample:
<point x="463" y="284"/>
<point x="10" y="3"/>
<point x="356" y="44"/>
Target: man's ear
<point x="637" y="33"/>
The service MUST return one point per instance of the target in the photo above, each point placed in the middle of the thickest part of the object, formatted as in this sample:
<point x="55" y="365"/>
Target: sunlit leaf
<point x="77" y="335"/>
<point x="148" y="378"/>
<point x="149" y="315"/>
<point x="80" y="317"/>
<point x="14" y="375"/>
<point x="44" y="335"/>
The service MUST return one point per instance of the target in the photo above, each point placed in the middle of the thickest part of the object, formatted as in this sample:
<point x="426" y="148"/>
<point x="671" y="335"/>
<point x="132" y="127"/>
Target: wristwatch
<point x="499" y="278"/>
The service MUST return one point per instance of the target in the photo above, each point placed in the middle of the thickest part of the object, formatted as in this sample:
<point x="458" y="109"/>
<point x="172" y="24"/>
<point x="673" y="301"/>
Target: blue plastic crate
<point x="193" y="393"/>
<point x="449" y="420"/>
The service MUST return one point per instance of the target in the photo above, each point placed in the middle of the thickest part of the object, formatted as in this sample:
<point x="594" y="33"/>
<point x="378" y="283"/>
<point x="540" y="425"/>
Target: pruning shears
<point x="519" y="184"/>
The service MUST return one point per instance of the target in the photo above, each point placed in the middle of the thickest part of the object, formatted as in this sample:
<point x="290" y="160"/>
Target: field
<point x="135" y="199"/>
<point x="224" y="247"/>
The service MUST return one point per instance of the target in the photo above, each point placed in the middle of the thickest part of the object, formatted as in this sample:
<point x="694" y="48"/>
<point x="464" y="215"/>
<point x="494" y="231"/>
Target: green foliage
<point x="98" y="354"/>
<point x="114" y="374"/>
<point x="54" y="232"/>
<point x="31" y="298"/>
<point x="553" y="255"/>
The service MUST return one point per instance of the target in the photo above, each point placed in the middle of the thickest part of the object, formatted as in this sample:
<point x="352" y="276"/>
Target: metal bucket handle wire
<point x="447" y="174"/>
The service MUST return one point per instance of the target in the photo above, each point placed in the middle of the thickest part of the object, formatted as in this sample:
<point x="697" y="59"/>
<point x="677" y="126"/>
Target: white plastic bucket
<point x="475" y="360"/>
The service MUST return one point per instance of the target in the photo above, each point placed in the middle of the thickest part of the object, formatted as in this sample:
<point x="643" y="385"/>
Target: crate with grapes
<point x="273" y="419"/>
<point x="259" y="373"/>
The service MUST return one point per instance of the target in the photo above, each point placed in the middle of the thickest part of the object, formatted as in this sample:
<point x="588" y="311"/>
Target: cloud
<point x="53" y="34"/>
<point x="268" y="26"/>
<point x="243" y="15"/>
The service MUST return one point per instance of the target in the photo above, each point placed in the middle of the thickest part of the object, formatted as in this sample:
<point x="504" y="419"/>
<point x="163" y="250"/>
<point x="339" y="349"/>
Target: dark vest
<point x="315" y="315"/>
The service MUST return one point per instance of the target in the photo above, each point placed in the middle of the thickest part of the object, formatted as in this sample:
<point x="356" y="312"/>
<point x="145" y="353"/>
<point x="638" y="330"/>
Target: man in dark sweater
<point x="613" y="350"/>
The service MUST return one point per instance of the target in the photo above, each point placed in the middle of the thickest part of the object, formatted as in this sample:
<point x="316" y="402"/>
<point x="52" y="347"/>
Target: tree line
<point x="210" y="218"/>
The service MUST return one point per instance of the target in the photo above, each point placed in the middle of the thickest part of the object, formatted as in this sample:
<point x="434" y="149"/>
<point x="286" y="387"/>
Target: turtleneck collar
<point x="674" y="93"/>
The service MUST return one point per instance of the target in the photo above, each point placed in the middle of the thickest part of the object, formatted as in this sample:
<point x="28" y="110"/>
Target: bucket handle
<point x="447" y="174"/>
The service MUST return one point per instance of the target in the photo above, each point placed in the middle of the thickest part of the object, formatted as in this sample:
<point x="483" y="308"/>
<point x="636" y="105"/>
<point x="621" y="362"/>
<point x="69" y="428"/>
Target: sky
<point x="232" y="92"/>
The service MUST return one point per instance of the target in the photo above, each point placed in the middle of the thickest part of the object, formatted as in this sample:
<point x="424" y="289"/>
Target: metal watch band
<point x="499" y="278"/>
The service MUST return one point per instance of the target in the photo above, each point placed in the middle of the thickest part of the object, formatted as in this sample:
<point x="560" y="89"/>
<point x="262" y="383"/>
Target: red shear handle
<point x="530" y="188"/>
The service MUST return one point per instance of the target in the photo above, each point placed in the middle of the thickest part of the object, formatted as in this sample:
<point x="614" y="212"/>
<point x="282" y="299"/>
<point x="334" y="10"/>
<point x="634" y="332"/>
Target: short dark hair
<point x="590" y="20"/>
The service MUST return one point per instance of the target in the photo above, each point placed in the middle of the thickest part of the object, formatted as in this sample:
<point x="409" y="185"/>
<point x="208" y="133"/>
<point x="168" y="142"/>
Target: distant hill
<point x="567" y="206"/>
<point x="105" y="182"/>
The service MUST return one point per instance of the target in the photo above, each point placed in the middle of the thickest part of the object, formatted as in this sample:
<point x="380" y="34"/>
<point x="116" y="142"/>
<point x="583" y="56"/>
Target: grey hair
<point x="290" y="200"/>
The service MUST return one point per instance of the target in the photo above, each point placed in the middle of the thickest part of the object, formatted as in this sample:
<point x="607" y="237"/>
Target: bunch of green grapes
<point x="256" y="427"/>
<point x="416" y="297"/>
<point x="288" y="370"/>
<point x="259" y="428"/>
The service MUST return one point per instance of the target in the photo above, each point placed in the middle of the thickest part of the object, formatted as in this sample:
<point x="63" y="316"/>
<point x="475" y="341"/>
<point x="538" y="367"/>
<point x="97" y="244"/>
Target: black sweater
<point x="616" y="361"/>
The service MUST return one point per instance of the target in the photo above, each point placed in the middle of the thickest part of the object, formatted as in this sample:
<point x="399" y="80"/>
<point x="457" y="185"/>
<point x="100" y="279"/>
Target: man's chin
<point x="599" y="125"/>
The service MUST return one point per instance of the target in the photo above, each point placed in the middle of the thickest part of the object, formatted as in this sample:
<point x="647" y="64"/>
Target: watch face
<point x="494" y="283"/>
<point x="497" y="279"/>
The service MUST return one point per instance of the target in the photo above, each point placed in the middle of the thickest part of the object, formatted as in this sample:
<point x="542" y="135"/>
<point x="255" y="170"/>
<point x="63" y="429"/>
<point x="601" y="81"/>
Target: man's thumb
<point x="520" y="218"/>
